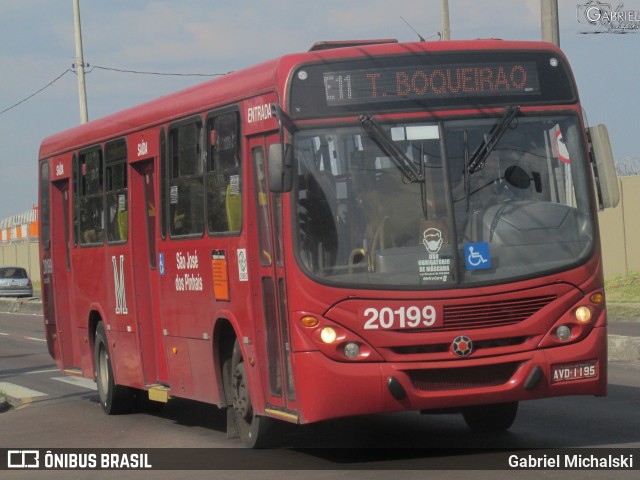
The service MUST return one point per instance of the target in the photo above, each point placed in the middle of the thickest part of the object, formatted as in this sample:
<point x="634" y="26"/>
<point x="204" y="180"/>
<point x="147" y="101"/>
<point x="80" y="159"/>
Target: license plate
<point x="574" y="371"/>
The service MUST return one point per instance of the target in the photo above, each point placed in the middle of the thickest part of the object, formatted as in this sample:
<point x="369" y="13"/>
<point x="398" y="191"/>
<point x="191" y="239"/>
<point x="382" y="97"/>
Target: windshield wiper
<point x="397" y="156"/>
<point x="467" y="182"/>
<point x="489" y="142"/>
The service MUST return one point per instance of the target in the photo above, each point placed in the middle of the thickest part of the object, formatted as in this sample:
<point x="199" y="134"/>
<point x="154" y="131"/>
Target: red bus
<point x="364" y="227"/>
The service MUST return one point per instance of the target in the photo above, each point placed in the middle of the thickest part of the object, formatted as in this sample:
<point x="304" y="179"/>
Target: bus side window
<point x="224" y="186"/>
<point x="91" y="198"/>
<point x="186" y="203"/>
<point x="117" y="206"/>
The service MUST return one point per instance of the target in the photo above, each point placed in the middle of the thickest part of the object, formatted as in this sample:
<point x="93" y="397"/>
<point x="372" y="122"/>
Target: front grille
<point x="486" y="315"/>
<point x="444" y="347"/>
<point x="493" y="314"/>
<point x="462" y="378"/>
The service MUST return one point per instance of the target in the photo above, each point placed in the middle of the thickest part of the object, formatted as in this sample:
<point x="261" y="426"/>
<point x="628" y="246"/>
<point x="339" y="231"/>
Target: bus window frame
<point x="208" y="166"/>
<point x="81" y="194"/>
<point x="164" y="166"/>
<point x="197" y="121"/>
<point x="45" y="205"/>
<point x="120" y="161"/>
<point x="74" y="201"/>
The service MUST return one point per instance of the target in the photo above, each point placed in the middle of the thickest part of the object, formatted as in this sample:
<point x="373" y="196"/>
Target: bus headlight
<point x="328" y="335"/>
<point x="577" y="322"/>
<point x="583" y="314"/>
<point x="333" y="340"/>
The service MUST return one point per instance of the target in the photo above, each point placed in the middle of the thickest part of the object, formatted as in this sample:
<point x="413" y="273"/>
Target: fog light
<point x="583" y="314"/>
<point x="328" y="335"/>
<point x="563" y="333"/>
<point x="351" y="350"/>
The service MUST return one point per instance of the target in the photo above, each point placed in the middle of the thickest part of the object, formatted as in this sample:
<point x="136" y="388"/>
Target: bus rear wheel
<point x="241" y="419"/>
<point x="490" y="418"/>
<point x="114" y="398"/>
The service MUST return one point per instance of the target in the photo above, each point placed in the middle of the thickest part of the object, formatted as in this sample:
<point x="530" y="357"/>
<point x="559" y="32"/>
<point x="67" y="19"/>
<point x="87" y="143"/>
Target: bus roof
<point x="233" y="87"/>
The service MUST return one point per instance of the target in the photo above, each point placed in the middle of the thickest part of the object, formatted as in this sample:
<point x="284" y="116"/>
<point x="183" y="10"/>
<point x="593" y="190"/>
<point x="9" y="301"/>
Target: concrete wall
<point x="24" y="254"/>
<point x="620" y="230"/>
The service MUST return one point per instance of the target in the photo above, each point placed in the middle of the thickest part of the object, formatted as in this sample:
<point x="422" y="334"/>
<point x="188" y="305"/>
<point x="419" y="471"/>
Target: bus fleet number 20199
<point x="403" y="317"/>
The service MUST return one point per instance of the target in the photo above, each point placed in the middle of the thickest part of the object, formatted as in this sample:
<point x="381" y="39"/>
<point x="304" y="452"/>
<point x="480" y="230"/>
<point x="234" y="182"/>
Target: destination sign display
<point x="429" y="82"/>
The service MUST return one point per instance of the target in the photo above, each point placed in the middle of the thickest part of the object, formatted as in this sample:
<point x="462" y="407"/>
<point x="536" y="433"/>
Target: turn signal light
<point x="309" y="321"/>
<point x="597" y="298"/>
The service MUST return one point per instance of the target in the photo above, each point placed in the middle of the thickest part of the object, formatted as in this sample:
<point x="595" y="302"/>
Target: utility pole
<point x="550" y="28"/>
<point x="446" y="29"/>
<point x="82" y="91"/>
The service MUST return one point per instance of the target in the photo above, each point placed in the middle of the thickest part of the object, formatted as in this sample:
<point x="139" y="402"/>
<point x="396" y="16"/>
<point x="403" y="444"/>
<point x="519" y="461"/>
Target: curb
<point x="31" y="305"/>
<point x="8" y="403"/>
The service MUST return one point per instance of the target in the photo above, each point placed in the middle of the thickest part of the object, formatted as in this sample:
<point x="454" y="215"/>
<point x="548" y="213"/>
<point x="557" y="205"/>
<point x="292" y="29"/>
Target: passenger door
<point x="271" y="302"/>
<point x="59" y="288"/>
<point x="143" y="237"/>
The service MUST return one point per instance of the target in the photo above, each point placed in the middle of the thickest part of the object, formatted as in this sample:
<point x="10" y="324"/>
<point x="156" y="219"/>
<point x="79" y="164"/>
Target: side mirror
<point x="605" y="169"/>
<point x="280" y="168"/>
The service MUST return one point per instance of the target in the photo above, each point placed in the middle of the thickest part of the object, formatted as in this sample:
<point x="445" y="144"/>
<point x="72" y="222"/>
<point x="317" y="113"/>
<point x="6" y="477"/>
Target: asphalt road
<point x="58" y="414"/>
<point x="625" y="328"/>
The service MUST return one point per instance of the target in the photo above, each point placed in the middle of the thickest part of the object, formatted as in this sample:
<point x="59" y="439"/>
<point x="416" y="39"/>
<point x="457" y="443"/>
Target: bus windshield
<point x="414" y="205"/>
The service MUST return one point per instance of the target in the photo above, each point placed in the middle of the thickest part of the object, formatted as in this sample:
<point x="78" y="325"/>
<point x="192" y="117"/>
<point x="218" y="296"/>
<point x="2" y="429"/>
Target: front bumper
<point x="329" y="389"/>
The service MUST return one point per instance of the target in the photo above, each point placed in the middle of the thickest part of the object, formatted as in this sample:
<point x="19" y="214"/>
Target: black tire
<point x="252" y="429"/>
<point x="114" y="399"/>
<point x="490" y="418"/>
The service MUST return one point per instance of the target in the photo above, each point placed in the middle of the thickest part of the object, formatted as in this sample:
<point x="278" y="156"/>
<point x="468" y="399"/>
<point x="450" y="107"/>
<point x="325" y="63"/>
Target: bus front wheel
<point x="490" y="418"/>
<point x="113" y="398"/>
<point x="241" y="419"/>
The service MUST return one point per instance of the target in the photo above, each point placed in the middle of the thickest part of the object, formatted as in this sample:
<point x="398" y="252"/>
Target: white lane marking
<point x="16" y="391"/>
<point x="42" y="371"/>
<point x="25" y="338"/>
<point x="35" y="339"/>
<point x="78" y="381"/>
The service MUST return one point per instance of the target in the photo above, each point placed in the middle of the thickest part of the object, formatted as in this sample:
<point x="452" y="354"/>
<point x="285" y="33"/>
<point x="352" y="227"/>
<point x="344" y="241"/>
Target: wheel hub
<point x="241" y="398"/>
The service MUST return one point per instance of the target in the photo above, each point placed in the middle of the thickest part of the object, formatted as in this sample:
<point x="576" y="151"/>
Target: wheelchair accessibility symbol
<point x="476" y="255"/>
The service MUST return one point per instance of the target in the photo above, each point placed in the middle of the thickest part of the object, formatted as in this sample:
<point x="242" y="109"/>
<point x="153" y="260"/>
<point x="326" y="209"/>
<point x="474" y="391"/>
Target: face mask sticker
<point x="434" y="268"/>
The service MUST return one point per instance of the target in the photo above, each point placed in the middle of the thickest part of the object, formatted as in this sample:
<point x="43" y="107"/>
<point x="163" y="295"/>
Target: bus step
<point x="159" y="393"/>
<point x="76" y="372"/>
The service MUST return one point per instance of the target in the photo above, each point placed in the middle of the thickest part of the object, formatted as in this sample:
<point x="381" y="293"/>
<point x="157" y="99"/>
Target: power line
<point x="112" y="69"/>
<point x="120" y="70"/>
<point x="35" y="93"/>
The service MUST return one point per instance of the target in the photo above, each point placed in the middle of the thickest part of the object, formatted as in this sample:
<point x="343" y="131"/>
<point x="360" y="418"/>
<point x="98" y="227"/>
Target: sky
<point x="37" y="46"/>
